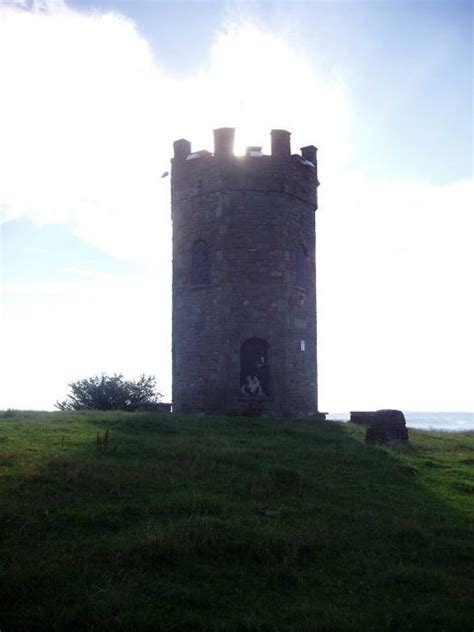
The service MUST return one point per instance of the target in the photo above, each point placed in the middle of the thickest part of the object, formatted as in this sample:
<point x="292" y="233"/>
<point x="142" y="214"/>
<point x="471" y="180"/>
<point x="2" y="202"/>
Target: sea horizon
<point x="447" y="421"/>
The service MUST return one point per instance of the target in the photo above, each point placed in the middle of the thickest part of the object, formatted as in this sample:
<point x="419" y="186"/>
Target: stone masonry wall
<point x="253" y="213"/>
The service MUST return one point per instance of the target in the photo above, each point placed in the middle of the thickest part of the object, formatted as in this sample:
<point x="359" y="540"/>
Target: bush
<point x="111" y="393"/>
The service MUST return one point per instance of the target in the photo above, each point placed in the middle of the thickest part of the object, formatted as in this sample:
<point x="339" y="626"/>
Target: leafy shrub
<point x="107" y="392"/>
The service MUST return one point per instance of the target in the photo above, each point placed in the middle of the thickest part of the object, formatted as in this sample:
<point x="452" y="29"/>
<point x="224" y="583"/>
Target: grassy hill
<point x="135" y="521"/>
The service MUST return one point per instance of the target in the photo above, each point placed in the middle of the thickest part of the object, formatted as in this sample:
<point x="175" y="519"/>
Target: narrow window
<point x="200" y="264"/>
<point x="254" y="368"/>
<point x="301" y="276"/>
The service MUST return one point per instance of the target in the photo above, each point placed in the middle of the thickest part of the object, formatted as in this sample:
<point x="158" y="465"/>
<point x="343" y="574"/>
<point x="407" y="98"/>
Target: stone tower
<point x="244" y="287"/>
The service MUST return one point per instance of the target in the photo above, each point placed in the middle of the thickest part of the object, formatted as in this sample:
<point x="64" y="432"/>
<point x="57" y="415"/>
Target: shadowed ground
<point x="136" y="521"/>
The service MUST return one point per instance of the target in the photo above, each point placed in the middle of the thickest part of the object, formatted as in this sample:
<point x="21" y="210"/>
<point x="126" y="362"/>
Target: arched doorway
<point x="254" y="378"/>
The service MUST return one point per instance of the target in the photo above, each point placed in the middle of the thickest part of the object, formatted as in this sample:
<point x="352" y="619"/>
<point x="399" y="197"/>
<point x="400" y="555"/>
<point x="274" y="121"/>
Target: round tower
<point x="244" y="287"/>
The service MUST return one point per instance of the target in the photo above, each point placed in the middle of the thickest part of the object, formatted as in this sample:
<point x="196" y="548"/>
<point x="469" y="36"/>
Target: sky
<point x="93" y="94"/>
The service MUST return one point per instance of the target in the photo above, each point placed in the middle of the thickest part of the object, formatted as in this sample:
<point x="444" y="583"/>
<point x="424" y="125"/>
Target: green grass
<point x="187" y="523"/>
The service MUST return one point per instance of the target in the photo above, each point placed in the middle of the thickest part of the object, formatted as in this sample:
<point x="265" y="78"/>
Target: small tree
<point x="111" y="393"/>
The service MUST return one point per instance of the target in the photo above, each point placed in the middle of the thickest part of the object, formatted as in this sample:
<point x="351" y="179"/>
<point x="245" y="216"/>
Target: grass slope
<point x="168" y="523"/>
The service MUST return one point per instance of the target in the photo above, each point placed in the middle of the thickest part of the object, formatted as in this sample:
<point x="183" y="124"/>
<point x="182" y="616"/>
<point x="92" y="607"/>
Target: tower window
<point x="254" y="368"/>
<point x="301" y="274"/>
<point x="200" y="264"/>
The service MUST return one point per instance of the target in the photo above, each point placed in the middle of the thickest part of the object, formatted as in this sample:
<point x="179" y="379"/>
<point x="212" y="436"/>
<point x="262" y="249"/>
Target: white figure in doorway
<point x="252" y="387"/>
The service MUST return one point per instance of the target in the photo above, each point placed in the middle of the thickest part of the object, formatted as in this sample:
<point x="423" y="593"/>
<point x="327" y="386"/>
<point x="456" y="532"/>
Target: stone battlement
<point x="203" y="172"/>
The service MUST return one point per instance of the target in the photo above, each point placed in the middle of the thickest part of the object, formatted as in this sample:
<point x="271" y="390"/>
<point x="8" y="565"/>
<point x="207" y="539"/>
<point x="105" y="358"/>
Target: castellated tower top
<point x="283" y="172"/>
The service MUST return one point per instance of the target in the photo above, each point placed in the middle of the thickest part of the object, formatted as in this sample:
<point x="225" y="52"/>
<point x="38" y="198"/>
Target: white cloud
<point x="83" y="124"/>
<point x="395" y="302"/>
<point x="89" y="118"/>
<point x="61" y="332"/>
<point x="87" y="121"/>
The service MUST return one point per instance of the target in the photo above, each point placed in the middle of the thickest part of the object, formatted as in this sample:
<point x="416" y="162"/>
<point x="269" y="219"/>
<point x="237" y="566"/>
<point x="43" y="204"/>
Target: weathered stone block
<point x="387" y="426"/>
<point x="158" y="407"/>
<point x="362" y="416"/>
